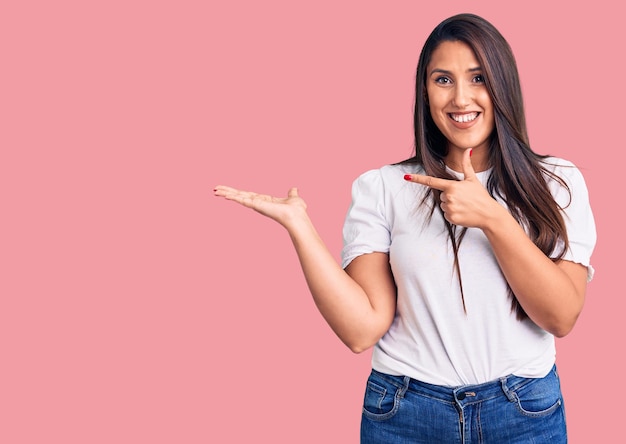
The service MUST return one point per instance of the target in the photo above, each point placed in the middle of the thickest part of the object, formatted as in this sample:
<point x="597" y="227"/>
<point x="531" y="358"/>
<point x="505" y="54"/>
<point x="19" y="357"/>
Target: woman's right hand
<point x="280" y="209"/>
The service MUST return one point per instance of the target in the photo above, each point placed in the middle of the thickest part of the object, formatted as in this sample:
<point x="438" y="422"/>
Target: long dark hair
<point x="518" y="173"/>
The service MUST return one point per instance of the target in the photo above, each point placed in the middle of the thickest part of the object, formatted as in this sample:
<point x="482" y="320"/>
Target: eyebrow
<point x="446" y="72"/>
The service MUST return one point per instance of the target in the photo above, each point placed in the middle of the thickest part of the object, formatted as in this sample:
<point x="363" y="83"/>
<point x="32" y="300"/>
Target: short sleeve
<point x="366" y="229"/>
<point x="578" y="216"/>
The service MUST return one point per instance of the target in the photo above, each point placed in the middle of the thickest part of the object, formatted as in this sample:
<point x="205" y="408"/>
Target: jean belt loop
<point x="400" y="393"/>
<point x="509" y="394"/>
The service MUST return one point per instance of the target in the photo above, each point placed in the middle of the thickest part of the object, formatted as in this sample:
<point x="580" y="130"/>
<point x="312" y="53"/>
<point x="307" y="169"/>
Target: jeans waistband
<point x="466" y="394"/>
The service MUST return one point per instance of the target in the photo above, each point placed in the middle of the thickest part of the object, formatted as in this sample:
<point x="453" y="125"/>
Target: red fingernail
<point x="407" y="177"/>
<point x="471" y="153"/>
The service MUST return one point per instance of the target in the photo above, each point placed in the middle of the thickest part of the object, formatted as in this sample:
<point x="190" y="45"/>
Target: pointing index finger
<point x="429" y="181"/>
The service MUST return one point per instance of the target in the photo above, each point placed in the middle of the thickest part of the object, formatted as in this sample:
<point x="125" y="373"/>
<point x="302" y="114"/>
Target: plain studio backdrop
<point x="137" y="308"/>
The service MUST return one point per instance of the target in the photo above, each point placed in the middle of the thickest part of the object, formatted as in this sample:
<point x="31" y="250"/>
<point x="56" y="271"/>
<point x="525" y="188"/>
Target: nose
<point x="462" y="96"/>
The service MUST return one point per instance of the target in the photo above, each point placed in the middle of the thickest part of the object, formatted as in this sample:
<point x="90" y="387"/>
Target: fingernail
<point x="407" y="177"/>
<point x="471" y="153"/>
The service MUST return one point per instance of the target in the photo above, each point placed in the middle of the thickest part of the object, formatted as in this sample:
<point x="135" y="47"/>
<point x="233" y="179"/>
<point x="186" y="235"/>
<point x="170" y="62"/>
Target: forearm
<point x="546" y="292"/>
<point x="343" y="303"/>
<point x="359" y="309"/>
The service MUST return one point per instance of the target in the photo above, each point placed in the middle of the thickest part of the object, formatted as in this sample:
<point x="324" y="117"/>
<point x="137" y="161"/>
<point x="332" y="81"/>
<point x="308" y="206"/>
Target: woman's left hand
<point x="466" y="202"/>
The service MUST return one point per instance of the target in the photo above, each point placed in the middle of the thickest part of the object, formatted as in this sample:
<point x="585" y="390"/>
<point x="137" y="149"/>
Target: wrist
<point x="296" y="220"/>
<point x="498" y="220"/>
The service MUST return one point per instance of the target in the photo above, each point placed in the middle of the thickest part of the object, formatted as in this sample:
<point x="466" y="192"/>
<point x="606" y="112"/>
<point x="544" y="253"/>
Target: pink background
<point x="137" y="308"/>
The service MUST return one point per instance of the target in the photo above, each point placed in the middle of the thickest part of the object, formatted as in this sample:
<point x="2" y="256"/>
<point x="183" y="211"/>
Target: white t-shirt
<point x="431" y="338"/>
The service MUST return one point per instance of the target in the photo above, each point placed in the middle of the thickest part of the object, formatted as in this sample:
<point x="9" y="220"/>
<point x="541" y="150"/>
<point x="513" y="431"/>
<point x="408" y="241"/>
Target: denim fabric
<point x="509" y="410"/>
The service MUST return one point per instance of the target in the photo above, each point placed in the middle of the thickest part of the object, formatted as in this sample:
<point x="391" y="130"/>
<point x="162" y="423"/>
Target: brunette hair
<point x="518" y="173"/>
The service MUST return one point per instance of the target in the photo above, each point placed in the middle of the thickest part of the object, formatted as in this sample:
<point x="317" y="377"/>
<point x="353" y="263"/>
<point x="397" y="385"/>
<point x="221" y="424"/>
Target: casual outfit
<point x="435" y="349"/>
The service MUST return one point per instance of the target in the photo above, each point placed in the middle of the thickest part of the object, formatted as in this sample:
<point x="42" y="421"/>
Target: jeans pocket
<point x="539" y="397"/>
<point x="382" y="399"/>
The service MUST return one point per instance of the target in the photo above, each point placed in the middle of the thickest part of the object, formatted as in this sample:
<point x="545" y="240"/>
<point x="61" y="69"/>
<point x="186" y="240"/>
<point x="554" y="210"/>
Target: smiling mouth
<point x="463" y="118"/>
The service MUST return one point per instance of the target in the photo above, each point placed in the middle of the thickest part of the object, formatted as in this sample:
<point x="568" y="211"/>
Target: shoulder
<point x="566" y="182"/>
<point x="384" y="182"/>
<point x="564" y="169"/>
<point x="383" y="187"/>
<point x="559" y="166"/>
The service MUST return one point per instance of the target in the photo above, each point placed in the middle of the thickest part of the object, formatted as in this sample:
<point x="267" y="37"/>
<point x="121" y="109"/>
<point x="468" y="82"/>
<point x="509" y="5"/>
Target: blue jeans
<point x="398" y="409"/>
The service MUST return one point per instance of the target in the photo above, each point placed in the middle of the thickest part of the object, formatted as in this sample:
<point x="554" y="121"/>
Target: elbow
<point x="361" y="344"/>
<point x="357" y="350"/>
<point x="559" y="322"/>
<point x="562" y="328"/>
<point x="359" y="347"/>
<point x="363" y="338"/>
<point x="561" y="332"/>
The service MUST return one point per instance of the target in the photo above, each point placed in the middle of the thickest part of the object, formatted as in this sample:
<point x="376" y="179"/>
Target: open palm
<point x="281" y="209"/>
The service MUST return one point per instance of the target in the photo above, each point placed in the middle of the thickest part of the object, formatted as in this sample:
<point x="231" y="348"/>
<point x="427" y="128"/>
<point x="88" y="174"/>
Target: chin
<point x="469" y="143"/>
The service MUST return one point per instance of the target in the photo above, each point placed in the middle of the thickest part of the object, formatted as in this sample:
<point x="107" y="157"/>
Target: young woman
<point x="461" y="264"/>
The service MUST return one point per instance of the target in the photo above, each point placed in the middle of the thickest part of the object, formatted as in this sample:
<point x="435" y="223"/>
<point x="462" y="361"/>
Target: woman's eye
<point x="443" y="80"/>
<point x="479" y="79"/>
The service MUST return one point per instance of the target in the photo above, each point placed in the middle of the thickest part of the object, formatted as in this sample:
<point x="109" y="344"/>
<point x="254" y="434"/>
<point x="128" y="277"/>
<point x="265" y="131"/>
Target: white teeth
<point x="462" y="118"/>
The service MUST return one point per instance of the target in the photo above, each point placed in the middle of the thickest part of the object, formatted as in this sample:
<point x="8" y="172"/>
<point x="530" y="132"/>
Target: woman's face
<point x="458" y="99"/>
